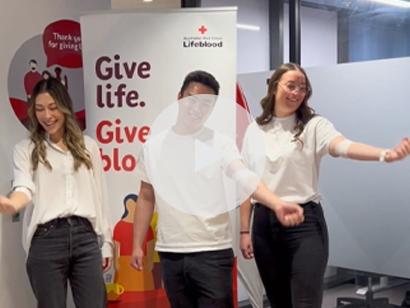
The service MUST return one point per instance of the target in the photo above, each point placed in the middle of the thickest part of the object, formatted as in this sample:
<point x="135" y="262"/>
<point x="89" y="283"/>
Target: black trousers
<point x="198" y="280"/>
<point x="62" y="250"/>
<point x="291" y="261"/>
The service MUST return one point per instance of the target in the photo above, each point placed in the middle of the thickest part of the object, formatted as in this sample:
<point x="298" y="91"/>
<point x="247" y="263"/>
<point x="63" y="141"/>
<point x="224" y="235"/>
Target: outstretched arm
<point x="12" y="204"/>
<point x="289" y="214"/>
<point x="340" y="146"/>
<point x="23" y="185"/>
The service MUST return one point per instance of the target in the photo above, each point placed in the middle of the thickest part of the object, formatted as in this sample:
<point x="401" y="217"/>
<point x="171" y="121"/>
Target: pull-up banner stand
<point x="134" y="64"/>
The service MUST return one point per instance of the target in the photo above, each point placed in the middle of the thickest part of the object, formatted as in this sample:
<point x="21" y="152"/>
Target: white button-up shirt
<point x="62" y="191"/>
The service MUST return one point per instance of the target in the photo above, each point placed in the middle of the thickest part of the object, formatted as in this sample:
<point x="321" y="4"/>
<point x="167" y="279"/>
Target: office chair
<point x="368" y="302"/>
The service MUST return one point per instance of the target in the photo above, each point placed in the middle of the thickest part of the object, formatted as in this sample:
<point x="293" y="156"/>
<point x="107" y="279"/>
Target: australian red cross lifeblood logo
<point x="202" y="29"/>
<point x="204" y="40"/>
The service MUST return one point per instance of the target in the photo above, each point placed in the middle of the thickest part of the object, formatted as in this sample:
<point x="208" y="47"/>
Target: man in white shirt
<point x="193" y="237"/>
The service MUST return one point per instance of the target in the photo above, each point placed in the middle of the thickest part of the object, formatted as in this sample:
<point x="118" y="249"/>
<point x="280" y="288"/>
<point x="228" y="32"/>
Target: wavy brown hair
<point x="303" y="114"/>
<point x="73" y="136"/>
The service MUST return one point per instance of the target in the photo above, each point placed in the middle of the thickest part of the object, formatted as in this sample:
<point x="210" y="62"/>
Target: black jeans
<point x="198" y="280"/>
<point x="291" y="261"/>
<point x="66" y="249"/>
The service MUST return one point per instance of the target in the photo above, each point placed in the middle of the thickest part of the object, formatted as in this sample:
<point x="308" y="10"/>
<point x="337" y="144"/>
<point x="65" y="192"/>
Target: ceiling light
<point x="248" y="27"/>
<point x="398" y="3"/>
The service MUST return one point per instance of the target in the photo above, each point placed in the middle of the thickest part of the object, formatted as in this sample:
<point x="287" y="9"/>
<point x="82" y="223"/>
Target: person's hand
<point x="289" y="214"/>
<point x="6" y="206"/>
<point x="399" y="152"/>
<point x="137" y="258"/>
<point x="106" y="264"/>
<point x="246" y="246"/>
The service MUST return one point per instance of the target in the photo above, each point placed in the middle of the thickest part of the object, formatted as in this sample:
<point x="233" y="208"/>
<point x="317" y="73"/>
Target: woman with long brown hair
<point x="58" y="177"/>
<point x="292" y="260"/>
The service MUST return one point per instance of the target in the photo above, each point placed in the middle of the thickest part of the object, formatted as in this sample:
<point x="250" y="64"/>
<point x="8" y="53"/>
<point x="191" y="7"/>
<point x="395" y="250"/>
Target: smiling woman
<point x="50" y="117"/>
<point x="58" y="177"/>
<point x="292" y="261"/>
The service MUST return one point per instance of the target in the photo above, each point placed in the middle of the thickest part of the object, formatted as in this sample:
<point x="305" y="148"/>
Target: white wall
<point x="22" y="20"/>
<point x="253" y="46"/>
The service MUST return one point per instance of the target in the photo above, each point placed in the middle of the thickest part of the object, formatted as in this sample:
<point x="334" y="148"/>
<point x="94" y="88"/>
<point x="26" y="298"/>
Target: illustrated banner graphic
<point x="134" y="64"/>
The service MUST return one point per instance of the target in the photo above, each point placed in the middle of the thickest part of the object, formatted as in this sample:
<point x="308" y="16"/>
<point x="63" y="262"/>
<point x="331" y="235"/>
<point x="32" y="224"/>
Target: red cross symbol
<point x="202" y="29"/>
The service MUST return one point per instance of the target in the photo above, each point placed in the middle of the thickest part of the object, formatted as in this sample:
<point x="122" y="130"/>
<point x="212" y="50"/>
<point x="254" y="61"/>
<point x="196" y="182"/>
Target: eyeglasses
<point x="290" y="87"/>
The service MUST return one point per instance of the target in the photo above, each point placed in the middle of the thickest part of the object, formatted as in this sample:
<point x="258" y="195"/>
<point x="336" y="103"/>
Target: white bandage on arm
<point x="25" y="190"/>
<point x="342" y="147"/>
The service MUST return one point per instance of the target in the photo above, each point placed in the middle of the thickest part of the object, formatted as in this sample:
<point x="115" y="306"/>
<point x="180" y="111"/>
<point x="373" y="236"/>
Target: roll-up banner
<point x="134" y="64"/>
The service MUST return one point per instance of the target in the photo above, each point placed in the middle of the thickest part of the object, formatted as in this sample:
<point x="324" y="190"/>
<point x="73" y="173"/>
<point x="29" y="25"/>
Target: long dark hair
<point x="73" y="136"/>
<point x="303" y="114"/>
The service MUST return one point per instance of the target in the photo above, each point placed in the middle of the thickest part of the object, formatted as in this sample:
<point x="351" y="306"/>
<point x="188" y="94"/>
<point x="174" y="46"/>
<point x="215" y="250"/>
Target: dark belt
<point x="70" y="220"/>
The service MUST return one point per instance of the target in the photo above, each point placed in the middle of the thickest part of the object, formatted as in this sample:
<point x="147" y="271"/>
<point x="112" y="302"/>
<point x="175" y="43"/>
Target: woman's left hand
<point x="399" y="152"/>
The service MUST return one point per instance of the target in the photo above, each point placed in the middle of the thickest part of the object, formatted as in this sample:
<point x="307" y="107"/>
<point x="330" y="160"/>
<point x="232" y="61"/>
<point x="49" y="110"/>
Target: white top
<point x="187" y="172"/>
<point x="63" y="192"/>
<point x="290" y="169"/>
